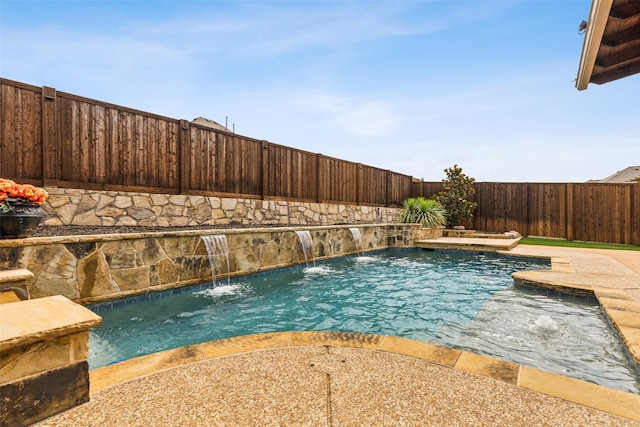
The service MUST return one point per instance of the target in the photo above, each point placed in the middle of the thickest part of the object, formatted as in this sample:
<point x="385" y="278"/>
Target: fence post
<point x="264" y="167"/>
<point x="387" y="195"/>
<point x="320" y="196"/>
<point x="634" y="202"/>
<point x="417" y="188"/>
<point x="184" y="162"/>
<point x="358" y="183"/>
<point x="527" y="216"/>
<point x="49" y="135"/>
<point x="569" y="210"/>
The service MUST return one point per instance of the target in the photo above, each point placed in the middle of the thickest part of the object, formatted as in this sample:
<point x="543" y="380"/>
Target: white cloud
<point x="268" y="29"/>
<point x="359" y="117"/>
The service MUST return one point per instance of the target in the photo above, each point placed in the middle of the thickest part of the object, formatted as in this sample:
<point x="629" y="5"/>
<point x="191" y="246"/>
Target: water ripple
<point x="461" y="300"/>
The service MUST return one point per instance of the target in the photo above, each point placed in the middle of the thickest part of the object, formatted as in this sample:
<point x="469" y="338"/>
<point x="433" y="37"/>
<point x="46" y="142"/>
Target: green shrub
<point x="457" y="188"/>
<point x="419" y="210"/>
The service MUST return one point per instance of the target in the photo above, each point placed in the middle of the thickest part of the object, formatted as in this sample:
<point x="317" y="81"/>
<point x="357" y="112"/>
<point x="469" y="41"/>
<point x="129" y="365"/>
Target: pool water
<point x="457" y="299"/>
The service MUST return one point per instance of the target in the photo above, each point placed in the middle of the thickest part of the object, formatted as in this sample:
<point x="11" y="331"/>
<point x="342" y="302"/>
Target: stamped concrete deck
<point x="324" y="379"/>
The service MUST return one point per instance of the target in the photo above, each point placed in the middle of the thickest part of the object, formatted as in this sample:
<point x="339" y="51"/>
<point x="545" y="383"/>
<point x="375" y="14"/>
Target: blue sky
<point x="410" y="86"/>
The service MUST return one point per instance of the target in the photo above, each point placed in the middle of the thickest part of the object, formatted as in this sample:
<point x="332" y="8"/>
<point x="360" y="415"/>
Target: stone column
<point x="44" y="345"/>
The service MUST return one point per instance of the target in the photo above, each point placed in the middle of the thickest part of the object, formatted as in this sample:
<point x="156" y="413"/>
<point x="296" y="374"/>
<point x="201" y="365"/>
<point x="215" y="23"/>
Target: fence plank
<point x="9" y="140"/>
<point x="374" y="184"/>
<point x="49" y="137"/>
<point x="569" y="212"/>
<point x="30" y="160"/>
<point x="634" y="211"/>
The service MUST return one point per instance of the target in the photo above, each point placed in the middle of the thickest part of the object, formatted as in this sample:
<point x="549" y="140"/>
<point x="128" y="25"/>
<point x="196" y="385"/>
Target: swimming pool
<point x="458" y="299"/>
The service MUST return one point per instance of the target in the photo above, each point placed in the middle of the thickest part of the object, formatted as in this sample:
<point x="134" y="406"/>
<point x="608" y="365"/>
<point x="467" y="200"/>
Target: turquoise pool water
<point x="458" y="299"/>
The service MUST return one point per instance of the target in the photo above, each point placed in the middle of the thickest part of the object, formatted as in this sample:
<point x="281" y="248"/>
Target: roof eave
<point x="598" y="17"/>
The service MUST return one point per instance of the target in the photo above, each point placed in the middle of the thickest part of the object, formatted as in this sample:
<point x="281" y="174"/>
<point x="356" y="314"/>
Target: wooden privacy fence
<point x="53" y="138"/>
<point x="576" y="211"/>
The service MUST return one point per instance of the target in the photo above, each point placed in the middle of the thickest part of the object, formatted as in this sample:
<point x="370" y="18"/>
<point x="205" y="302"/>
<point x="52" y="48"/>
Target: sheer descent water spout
<point x="357" y="238"/>
<point x="217" y="246"/>
<point x="307" y="245"/>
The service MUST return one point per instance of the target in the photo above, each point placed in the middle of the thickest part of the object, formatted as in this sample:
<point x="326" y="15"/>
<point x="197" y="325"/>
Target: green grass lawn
<point x="575" y="244"/>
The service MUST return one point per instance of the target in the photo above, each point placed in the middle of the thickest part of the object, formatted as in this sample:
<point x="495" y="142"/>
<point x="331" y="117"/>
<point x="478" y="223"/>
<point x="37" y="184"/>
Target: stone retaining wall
<point x="114" y="208"/>
<point x="89" y="269"/>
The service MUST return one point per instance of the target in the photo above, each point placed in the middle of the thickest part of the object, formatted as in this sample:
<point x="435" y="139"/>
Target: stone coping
<point x="13" y="285"/>
<point x="463" y="233"/>
<point x="179" y="232"/>
<point x="15" y="275"/>
<point x="469" y="243"/>
<point x="602" y="398"/>
<point x="30" y="321"/>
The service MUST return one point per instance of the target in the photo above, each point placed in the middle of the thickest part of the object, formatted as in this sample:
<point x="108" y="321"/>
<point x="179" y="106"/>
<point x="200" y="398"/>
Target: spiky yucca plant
<point x="418" y="210"/>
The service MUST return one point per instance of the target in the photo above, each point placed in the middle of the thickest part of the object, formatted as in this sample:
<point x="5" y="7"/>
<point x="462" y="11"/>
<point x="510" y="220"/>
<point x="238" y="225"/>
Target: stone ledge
<point x="542" y="280"/>
<point x="468" y="243"/>
<point x="582" y="392"/>
<point x="13" y="285"/>
<point x="26" y="322"/>
<point x="15" y="275"/>
<point x="114" y="237"/>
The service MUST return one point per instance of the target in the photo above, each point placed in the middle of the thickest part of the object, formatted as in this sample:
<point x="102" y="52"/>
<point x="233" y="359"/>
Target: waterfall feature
<point x="217" y="247"/>
<point x="357" y="238"/>
<point x="307" y="245"/>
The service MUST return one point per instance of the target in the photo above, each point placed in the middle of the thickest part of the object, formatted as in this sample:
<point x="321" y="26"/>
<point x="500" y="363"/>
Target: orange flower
<point x="27" y="192"/>
<point x="6" y="184"/>
<point x="39" y="196"/>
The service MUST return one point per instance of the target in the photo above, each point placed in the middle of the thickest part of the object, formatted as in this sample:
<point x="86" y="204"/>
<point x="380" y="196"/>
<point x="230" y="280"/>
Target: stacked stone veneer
<point x="88" y="269"/>
<point x="112" y="208"/>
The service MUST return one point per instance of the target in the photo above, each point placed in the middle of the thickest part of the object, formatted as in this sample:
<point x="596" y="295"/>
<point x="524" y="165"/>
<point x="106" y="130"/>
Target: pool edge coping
<point x="605" y="399"/>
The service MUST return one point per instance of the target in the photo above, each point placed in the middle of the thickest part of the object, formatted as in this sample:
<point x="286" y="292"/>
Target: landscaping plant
<point x="418" y="210"/>
<point x="12" y="193"/>
<point x="457" y="188"/>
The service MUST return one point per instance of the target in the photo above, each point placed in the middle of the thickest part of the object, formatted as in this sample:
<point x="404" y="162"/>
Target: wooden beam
<point x="614" y="73"/>
<point x="611" y="56"/>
